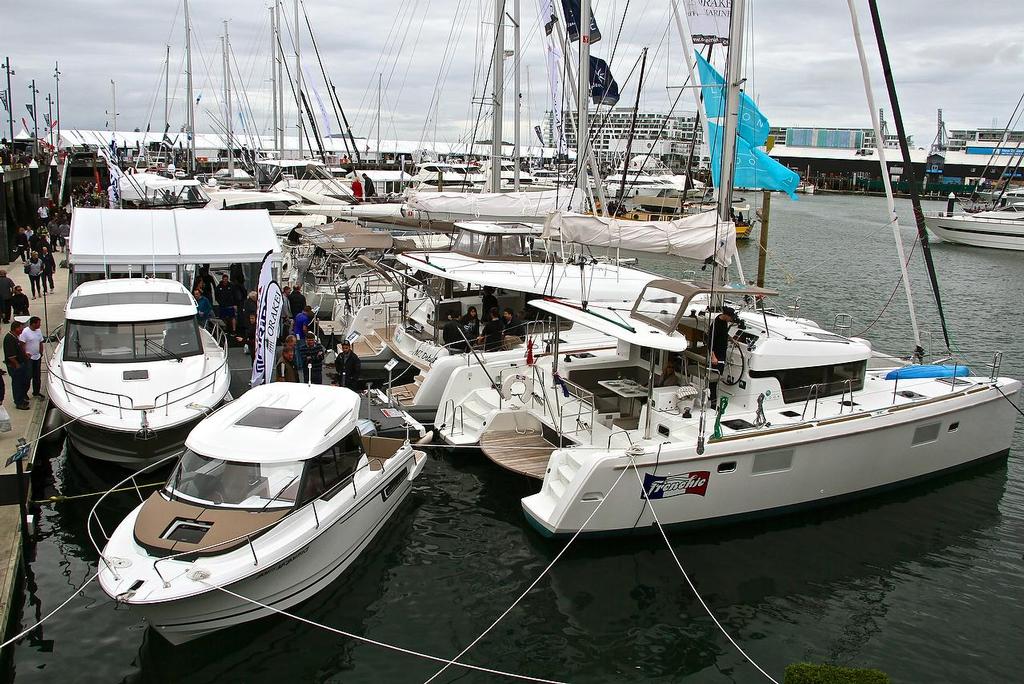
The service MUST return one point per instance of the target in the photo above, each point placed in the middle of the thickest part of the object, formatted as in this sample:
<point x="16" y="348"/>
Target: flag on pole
<point x="753" y="126"/>
<point x="547" y="13"/>
<point x="31" y="112"/>
<point x="603" y="88"/>
<point x="269" y="302"/>
<point x="540" y="136"/>
<point x="571" y="9"/>
<point x="709" y="21"/>
<point x="3" y="98"/>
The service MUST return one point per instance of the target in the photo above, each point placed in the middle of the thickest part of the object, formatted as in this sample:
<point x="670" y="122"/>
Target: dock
<point x="27" y="425"/>
<point x="526" y="454"/>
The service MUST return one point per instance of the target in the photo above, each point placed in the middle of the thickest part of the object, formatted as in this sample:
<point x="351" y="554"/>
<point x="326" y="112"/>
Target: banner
<point x="709" y="21"/>
<point x="269" y="303"/>
<point x="3" y="99"/>
<point x="603" y="88"/>
<point x="753" y="126"/>
<point x="547" y="14"/>
<point x="31" y="112"/>
<point x="571" y="9"/>
<point x="540" y="136"/>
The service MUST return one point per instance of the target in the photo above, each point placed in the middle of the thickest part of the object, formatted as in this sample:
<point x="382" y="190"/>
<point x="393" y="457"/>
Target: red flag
<point x="529" y="352"/>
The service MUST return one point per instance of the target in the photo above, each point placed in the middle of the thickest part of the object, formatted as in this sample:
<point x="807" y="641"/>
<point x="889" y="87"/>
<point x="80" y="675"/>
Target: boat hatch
<point x="188" y="531"/>
<point x="141" y="374"/>
<point x="268" y="418"/>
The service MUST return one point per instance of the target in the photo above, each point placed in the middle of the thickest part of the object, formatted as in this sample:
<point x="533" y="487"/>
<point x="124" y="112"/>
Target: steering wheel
<point x="727" y="377"/>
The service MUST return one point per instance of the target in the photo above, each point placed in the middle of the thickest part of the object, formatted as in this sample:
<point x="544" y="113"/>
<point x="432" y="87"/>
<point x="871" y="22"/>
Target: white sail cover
<point x="695" y="237"/>
<point x="493" y="205"/>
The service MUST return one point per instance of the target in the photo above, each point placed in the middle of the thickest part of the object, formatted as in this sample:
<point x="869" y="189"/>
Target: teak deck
<point x="526" y="454"/>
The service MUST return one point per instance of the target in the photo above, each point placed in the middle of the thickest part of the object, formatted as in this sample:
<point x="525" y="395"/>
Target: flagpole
<point x="35" y="119"/>
<point x="56" y="76"/>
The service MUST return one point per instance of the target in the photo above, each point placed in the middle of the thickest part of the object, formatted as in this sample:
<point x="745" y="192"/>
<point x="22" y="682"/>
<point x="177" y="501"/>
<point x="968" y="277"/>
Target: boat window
<point x="796" y="383"/>
<point x="106" y="342"/>
<point x="274" y="205"/>
<point x="233" y="484"/>
<point x="659" y="305"/>
<point x="85" y="301"/>
<point x="331" y="468"/>
<point x="468" y="242"/>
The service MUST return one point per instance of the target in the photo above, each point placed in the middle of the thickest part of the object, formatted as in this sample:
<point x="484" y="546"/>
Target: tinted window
<point x="332" y="468"/>
<point x="797" y="382"/>
<point x="84" y="301"/>
<point x="100" y="342"/>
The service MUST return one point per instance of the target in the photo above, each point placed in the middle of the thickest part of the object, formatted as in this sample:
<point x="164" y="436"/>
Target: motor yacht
<point x="1001" y="228"/>
<point x="284" y="207"/>
<point x="805" y="417"/>
<point x="134" y="371"/>
<point x="274" y="497"/>
<point x="450" y="177"/>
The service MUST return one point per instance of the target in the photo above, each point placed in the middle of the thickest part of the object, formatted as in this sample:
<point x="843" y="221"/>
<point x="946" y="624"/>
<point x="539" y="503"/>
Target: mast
<point x="498" y="90"/>
<point x="297" y="37"/>
<point x="273" y="71"/>
<point x="190" y="119"/>
<point x="516" y="154"/>
<point x="583" y="101"/>
<point x="279" y="59"/>
<point x="380" y="81"/>
<point x="167" y="90"/>
<point x="733" y="75"/>
<point x="10" y="101"/>
<point x="876" y="121"/>
<point x="56" y="76"/>
<point x="226" y="44"/>
<point x="113" y="98"/>
<point x="35" y="117"/>
<point x="908" y="167"/>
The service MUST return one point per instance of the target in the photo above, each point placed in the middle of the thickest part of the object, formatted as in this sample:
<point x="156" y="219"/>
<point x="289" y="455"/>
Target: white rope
<point x="51" y="613"/>
<point x="679" y="565"/>
<point x="454" y="661"/>
<point x="381" y="644"/>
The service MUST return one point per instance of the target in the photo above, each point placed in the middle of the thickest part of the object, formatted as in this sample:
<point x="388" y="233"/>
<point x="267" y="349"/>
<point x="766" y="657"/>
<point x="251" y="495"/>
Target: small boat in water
<point x="274" y="497"/>
<point x="134" y="372"/>
<point x="1001" y="228"/>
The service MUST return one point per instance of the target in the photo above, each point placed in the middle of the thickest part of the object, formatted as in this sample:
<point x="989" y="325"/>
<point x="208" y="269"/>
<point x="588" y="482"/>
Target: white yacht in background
<point x="154" y="191"/>
<point x="275" y="496"/>
<point x="806" y="417"/>
<point x="1001" y="228"/>
<point x="284" y="207"/>
<point x="134" y="371"/>
<point x="448" y="177"/>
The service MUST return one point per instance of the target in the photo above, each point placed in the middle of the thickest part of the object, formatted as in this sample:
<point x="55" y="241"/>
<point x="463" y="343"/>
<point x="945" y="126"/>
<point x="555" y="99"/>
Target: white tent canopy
<point x="179" y="237"/>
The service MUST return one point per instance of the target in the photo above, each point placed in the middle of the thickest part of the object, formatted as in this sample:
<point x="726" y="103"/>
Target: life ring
<point x="516" y="385"/>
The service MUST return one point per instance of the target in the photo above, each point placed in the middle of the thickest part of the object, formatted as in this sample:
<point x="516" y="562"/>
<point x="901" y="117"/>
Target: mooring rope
<point x="679" y="565"/>
<point x="455" y="660"/>
<point x="381" y="644"/>
<point x="51" y="613"/>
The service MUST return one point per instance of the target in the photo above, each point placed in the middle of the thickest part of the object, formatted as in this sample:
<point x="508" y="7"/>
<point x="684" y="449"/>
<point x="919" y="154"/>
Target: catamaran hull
<point x="288" y="582"/>
<point x="787" y="471"/>
<point x="965" y="230"/>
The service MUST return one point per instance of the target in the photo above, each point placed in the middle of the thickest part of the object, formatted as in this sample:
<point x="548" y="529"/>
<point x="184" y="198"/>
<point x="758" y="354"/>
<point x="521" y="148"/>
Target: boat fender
<point x="518" y="386"/>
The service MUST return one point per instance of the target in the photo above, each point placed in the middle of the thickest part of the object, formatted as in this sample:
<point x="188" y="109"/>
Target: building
<point x="667" y="137"/>
<point x="984" y="141"/>
<point x="832" y="138"/>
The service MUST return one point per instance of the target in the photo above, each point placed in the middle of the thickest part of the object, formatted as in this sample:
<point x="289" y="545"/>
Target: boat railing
<point x="847" y="388"/>
<point x="247" y="537"/>
<point x="458" y="417"/>
<point x="207" y="382"/>
<point x="578" y="402"/>
<point x="217" y="332"/>
<point x="813" y="393"/>
<point x="114" y="400"/>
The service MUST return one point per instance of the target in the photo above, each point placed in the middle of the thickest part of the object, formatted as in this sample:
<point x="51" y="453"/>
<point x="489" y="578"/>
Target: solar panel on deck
<point x="268" y="417"/>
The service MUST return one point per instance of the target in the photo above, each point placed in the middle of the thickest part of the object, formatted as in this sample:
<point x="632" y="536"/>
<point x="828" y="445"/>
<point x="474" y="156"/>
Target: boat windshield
<point x="131" y="342"/>
<point x="232" y="484"/>
<point x="496" y="246"/>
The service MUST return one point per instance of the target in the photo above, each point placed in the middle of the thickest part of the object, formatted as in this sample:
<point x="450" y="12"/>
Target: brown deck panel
<point x="524" y="454"/>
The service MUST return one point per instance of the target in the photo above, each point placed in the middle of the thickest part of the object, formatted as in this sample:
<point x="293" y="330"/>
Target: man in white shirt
<point x="44" y="214"/>
<point x="32" y="337"/>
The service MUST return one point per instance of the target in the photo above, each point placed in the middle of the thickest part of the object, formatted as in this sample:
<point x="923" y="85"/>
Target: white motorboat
<point x="1001" y="228"/>
<point x="274" y="497"/>
<point x="448" y="177"/>
<point x="284" y="207"/>
<point x="134" y="371"/>
<point x="807" y="418"/>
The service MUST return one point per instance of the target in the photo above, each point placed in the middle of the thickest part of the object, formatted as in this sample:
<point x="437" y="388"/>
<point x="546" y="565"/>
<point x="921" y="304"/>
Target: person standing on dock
<point x="34" y="271"/>
<point x="22" y="243"/>
<point x="6" y="293"/>
<point x="17" y="365"/>
<point x="227" y="301"/>
<point x="49" y="268"/>
<point x="297" y="300"/>
<point x="368" y="188"/>
<point x="286" y="367"/>
<point x="19" y="302"/>
<point x="357" y="188"/>
<point x="313" y="359"/>
<point x="32" y="338"/>
<point x="348" y="367"/>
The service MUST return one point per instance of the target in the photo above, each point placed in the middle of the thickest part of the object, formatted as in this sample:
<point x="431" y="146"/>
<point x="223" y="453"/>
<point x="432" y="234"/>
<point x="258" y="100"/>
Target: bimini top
<point x="277" y="423"/>
<point x="615" y="322"/>
<point x="129" y="299"/>
<point x="499" y="228"/>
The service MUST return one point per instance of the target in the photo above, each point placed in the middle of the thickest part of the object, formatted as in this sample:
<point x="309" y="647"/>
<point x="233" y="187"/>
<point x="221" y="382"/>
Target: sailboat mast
<point x="167" y="91"/>
<point x="498" y="69"/>
<point x="297" y="37"/>
<point x="227" y="99"/>
<point x="516" y="154"/>
<point x="273" y="70"/>
<point x="908" y="166"/>
<point x="279" y="59"/>
<point x="583" y="101"/>
<point x="733" y="73"/>
<point x="190" y="116"/>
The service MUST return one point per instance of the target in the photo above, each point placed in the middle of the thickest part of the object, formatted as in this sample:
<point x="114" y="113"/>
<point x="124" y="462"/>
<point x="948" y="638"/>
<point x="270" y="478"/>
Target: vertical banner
<point x="269" y="302"/>
<point x="571" y="10"/>
<point x="709" y="21"/>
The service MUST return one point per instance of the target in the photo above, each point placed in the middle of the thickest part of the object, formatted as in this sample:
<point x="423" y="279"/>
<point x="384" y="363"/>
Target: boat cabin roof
<point x="129" y="299"/>
<point x="276" y="423"/>
<point x="494" y="228"/>
<point x="663" y="303"/>
<point x="613" y="321"/>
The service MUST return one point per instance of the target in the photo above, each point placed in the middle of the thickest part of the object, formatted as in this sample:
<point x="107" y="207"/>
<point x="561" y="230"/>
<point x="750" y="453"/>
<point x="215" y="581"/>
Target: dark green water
<point x="924" y="584"/>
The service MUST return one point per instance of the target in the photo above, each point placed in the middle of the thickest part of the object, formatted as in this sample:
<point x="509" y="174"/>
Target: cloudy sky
<point x="431" y="57"/>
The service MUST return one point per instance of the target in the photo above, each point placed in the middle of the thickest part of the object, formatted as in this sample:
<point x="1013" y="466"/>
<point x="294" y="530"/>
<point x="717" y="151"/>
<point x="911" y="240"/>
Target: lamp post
<point x="56" y="76"/>
<point x="35" y="118"/>
<point x="10" y="101"/>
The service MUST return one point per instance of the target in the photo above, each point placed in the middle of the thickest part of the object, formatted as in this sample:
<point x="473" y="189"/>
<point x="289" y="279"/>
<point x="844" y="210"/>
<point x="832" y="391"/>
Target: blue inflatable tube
<point x="927" y="371"/>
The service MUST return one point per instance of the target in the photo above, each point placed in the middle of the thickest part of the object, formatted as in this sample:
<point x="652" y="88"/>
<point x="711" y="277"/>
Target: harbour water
<point x="923" y="584"/>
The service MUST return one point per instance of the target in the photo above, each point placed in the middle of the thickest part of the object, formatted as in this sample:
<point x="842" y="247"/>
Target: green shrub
<point x="809" y="673"/>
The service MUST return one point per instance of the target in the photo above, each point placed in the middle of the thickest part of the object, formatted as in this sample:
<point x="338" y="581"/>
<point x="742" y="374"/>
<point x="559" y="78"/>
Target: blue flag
<point x="603" y="88"/>
<point x="754" y="168"/>
<point x="753" y="126"/>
